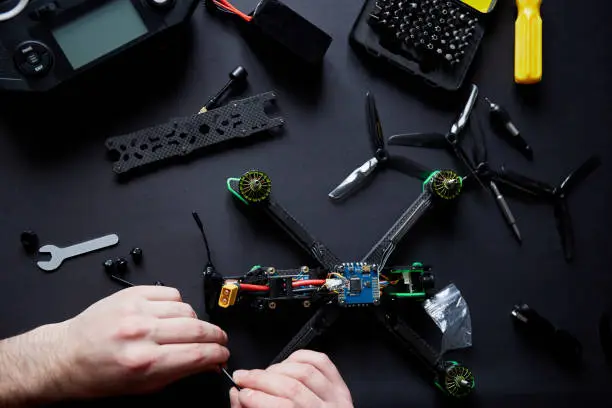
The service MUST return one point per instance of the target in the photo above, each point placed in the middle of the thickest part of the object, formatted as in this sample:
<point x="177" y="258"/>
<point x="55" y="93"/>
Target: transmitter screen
<point x="99" y="32"/>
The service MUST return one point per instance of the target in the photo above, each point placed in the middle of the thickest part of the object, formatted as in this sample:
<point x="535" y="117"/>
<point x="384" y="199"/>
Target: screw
<point x="136" y="254"/>
<point x="122" y="265"/>
<point x="306" y="303"/>
<point x="272" y="305"/>
<point x="159" y="283"/>
<point x="29" y="241"/>
<point x="109" y="266"/>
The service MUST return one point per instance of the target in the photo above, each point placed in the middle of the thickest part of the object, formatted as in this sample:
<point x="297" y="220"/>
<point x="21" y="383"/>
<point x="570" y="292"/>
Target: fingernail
<point x="246" y="392"/>
<point x="239" y="374"/>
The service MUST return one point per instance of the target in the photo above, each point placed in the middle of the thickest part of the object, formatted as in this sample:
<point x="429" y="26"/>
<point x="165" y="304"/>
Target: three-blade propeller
<point x="381" y="158"/>
<point x="557" y="195"/>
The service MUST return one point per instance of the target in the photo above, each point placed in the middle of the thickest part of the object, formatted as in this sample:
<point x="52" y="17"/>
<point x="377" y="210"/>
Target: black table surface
<point x="57" y="181"/>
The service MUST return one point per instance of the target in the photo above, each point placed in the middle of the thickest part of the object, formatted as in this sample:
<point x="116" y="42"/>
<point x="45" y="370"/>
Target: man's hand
<point x="137" y="340"/>
<point x="306" y="380"/>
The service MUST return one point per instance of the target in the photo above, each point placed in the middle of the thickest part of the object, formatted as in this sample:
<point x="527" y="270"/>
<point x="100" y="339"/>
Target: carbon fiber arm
<point x="324" y="317"/>
<point x="411" y="340"/>
<point x="298" y="232"/>
<point x="183" y="136"/>
<point x="383" y="249"/>
<point x="294" y="228"/>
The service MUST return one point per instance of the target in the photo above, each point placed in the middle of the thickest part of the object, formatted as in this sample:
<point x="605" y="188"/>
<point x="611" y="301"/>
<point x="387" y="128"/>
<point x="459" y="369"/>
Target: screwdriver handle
<point x="528" y="42"/>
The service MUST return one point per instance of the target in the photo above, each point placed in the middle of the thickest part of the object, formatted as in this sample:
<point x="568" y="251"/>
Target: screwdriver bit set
<point x="434" y="39"/>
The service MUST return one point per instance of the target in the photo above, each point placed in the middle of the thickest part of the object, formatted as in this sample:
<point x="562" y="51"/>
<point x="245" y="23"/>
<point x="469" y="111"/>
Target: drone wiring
<point x="387" y="280"/>
<point x="225" y="5"/>
<point x="247" y="287"/>
<point x="337" y="275"/>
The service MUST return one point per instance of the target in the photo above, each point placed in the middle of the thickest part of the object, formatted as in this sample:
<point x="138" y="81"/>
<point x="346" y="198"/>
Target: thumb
<point x="234" y="400"/>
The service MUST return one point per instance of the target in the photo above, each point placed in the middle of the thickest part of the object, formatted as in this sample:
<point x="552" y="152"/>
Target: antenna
<point x="198" y="221"/>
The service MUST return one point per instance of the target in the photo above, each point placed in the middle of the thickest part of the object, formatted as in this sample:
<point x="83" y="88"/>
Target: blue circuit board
<point x="361" y="286"/>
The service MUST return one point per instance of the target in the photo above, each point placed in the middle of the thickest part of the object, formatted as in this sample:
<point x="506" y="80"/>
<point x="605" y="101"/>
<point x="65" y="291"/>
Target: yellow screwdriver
<point x="528" y="42"/>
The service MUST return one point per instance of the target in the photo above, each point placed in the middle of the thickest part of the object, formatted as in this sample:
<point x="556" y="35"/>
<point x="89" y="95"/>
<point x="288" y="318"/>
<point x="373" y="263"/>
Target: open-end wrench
<point x="58" y="255"/>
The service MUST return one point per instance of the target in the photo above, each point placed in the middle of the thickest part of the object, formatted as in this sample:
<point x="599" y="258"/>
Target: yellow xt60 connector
<point x="528" y="42"/>
<point x="228" y="294"/>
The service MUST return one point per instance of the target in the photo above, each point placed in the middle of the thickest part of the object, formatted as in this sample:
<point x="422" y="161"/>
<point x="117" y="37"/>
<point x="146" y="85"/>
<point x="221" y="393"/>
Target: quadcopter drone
<point x="334" y="285"/>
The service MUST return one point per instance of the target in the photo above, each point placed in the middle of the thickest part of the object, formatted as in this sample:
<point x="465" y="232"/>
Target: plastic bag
<point x="451" y="313"/>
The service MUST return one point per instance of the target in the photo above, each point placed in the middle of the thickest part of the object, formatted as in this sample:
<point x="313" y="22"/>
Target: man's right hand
<point x="137" y="340"/>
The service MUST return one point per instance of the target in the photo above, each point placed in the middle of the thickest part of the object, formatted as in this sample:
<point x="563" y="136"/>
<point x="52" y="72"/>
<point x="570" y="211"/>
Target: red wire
<point x="247" y="287"/>
<point x="254" y="288"/>
<point x="228" y="6"/>
<point x="312" y="282"/>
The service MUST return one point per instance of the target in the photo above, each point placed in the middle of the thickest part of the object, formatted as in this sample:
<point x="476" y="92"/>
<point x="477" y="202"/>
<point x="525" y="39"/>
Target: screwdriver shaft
<point x="230" y="378"/>
<point x="505" y="210"/>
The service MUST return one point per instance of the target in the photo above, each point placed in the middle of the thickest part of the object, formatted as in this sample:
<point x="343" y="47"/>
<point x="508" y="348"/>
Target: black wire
<point x="198" y="221"/>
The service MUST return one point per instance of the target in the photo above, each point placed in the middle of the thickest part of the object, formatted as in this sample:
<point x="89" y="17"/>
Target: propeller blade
<point x="479" y="150"/>
<point x="431" y="140"/>
<point x="374" y="126"/>
<point x="525" y="184"/>
<point x="464" y="116"/>
<point x="354" y="180"/>
<point x="566" y="231"/>
<point x="410" y="167"/>
<point x="580" y="174"/>
<point x="460" y="154"/>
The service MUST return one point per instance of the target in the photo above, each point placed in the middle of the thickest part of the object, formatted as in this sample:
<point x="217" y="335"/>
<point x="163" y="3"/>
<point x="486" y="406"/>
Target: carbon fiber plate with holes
<point x="183" y="136"/>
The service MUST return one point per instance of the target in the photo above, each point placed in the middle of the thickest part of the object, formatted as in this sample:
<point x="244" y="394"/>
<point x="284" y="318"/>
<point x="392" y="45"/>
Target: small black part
<point x="136" y="254"/>
<point x="122" y="265"/>
<point x="159" y="283"/>
<point x="29" y="241"/>
<point x="563" y="345"/>
<point x="355" y="285"/>
<point x="239" y="74"/>
<point x="109" y="266"/>
<point x="291" y="31"/>
<point x="288" y="286"/>
<point x="428" y="281"/>
<point x="502" y="121"/>
<point x="277" y="288"/>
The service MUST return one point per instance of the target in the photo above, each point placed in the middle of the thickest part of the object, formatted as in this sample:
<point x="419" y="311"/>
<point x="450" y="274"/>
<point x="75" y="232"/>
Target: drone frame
<point x="449" y="376"/>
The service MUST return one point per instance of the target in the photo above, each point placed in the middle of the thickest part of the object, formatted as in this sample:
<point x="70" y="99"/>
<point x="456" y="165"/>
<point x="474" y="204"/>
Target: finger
<point x="277" y="385"/>
<point x="234" y="399"/>
<point x="308" y="375"/>
<point x="319" y="361"/>
<point x="155" y="292"/>
<point x="165" y="309"/>
<point x="257" y="399"/>
<point x="176" y="361"/>
<point x="186" y="330"/>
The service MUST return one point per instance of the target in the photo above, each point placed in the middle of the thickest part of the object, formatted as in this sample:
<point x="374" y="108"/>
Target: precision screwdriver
<point x="501" y="118"/>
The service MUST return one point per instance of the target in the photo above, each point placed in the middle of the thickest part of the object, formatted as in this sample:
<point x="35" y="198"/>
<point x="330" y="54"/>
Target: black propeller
<point x="449" y="141"/>
<point x="556" y="195"/>
<point x="381" y="158"/>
